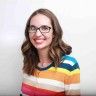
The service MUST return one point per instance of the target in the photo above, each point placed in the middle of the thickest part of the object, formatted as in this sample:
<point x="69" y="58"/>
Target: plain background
<point x="78" y="21"/>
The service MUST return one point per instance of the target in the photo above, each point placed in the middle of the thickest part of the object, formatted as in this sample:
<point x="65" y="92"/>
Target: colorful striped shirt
<point x="50" y="81"/>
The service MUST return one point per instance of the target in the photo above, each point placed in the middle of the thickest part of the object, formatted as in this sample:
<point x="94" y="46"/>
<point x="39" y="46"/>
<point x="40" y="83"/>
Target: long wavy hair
<point x="57" y="47"/>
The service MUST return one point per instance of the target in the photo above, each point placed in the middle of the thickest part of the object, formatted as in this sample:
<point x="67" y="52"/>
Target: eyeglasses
<point x="42" y="29"/>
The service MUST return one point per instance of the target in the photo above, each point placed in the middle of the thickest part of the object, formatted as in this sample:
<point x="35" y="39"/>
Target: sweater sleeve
<point x="72" y="86"/>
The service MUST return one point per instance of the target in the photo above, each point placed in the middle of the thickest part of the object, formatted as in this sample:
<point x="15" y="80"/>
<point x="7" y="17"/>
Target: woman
<point x="48" y="68"/>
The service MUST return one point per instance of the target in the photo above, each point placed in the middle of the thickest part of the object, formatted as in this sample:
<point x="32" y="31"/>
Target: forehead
<point x="39" y="20"/>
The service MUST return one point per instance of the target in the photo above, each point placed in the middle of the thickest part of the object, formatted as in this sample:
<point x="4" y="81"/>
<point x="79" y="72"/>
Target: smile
<point x="39" y="41"/>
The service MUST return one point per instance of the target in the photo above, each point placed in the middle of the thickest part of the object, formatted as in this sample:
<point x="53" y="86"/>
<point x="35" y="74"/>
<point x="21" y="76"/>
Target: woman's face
<point x="41" y="38"/>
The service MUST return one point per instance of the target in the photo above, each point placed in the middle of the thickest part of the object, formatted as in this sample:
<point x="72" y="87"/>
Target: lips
<point x="38" y="41"/>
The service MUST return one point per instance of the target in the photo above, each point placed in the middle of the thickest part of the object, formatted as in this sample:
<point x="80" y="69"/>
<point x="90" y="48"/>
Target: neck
<point x="44" y="57"/>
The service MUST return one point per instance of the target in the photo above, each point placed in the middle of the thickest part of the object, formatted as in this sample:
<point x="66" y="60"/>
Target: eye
<point x="32" y="28"/>
<point x="44" y="27"/>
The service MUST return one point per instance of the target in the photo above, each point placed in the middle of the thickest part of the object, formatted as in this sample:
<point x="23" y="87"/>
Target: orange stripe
<point x="75" y="78"/>
<point x="59" y="76"/>
<point x="52" y="75"/>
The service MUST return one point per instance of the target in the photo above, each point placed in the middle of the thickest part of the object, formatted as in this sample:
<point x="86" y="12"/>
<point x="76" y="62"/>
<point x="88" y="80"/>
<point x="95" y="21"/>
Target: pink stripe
<point x="33" y="91"/>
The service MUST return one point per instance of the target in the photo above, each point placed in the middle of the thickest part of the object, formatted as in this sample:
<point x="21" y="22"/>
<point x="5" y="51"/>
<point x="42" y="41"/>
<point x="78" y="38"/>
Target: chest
<point x="45" y="83"/>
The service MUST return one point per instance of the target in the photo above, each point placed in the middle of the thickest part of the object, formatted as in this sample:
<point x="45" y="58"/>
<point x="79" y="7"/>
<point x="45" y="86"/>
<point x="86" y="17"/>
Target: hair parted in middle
<point x="57" y="47"/>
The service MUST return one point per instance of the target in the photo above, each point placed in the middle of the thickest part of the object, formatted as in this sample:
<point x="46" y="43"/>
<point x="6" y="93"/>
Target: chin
<point x="41" y="47"/>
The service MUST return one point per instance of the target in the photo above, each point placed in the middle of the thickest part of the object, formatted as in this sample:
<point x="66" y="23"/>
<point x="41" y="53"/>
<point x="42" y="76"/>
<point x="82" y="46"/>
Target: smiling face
<point x="40" y="40"/>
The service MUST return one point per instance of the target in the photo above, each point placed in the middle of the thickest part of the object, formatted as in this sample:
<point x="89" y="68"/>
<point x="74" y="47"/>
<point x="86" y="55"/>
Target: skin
<point x="41" y="41"/>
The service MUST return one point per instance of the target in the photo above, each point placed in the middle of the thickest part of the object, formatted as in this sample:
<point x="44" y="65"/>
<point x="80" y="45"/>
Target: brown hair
<point x="57" y="47"/>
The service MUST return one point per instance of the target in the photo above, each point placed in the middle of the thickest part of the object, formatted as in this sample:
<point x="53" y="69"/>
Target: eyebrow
<point x="40" y="26"/>
<point x="32" y="25"/>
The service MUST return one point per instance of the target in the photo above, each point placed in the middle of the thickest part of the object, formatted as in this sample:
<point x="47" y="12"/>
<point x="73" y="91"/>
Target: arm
<point x="73" y="87"/>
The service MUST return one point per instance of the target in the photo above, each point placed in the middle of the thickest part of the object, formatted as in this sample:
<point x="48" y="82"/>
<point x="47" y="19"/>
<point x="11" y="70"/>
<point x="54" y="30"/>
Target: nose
<point x="38" y="33"/>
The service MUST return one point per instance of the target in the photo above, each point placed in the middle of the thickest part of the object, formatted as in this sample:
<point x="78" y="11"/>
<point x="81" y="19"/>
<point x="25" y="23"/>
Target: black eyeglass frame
<point x="39" y="28"/>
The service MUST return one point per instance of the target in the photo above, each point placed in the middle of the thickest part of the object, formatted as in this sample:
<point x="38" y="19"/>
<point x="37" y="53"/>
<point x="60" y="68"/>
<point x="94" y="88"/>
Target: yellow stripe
<point x="60" y="70"/>
<point x="76" y="71"/>
<point x="65" y="71"/>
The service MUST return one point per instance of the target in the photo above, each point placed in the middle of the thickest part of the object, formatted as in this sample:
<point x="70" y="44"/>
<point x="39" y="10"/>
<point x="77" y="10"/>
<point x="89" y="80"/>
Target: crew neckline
<point x="44" y="68"/>
<point x="50" y="65"/>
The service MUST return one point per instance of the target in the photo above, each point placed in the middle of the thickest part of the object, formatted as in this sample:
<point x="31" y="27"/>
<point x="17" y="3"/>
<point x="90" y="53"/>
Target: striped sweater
<point x="49" y="81"/>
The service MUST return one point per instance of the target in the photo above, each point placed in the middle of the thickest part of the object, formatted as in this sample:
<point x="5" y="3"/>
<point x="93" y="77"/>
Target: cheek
<point x="30" y="37"/>
<point x="49" y="38"/>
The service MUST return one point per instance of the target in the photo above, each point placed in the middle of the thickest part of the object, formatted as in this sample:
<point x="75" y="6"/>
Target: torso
<point x="47" y="82"/>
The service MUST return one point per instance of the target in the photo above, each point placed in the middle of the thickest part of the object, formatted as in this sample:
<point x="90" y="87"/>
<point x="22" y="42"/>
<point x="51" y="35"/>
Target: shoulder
<point x="69" y="59"/>
<point x="69" y="62"/>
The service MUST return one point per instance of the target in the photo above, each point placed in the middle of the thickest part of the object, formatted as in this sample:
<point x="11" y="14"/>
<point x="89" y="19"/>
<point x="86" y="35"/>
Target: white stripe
<point x="69" y="62"/>
<point x="72" y="87"/>
<point x="45" y="81"/>
<point x="51" y="82"/>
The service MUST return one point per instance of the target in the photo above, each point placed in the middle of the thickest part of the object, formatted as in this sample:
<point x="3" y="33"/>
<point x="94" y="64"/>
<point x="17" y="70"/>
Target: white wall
<point x="78" y="20"/>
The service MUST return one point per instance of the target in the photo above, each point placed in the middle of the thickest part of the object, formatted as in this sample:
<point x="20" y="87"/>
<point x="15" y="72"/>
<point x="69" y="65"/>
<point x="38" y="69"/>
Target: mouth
<point x="39" y="41"/>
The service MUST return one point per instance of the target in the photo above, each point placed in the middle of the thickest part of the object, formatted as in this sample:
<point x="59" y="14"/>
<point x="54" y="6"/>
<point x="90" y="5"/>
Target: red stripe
<point x="33" y="91"/>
